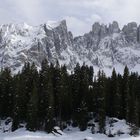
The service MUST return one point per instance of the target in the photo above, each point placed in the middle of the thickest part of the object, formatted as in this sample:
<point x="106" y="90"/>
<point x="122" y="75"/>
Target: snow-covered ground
<point x="70" y="133"/>
<point x="25" y="135"/>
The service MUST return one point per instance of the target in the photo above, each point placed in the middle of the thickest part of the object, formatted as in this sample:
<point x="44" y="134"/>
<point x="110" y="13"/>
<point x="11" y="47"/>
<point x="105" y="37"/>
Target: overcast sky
<point x="80" y="14"/>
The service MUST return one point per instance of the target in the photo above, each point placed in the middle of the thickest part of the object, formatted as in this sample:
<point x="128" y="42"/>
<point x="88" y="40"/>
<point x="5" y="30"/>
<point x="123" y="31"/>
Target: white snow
<point x="20" y="43"/>
<point x="71" y="133"/>
<point x="25" y="135"/>
<point x="52" y="24"/>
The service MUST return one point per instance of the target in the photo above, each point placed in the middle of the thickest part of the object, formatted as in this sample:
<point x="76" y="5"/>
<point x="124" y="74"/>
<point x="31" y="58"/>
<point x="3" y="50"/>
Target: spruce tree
<point x="27" y="77"/>
<point x="91" y="73"/>
<point x="132" y="96"/>
<point x="49" y="118"/>
<point x="17" y="105"/>
<point x="114" y="96"/>
<point x="135" y="121"/>
<point x="82" y="117"/>
<point x="6" y="83"/>
<point x="75" y="92"/>
<point x="126" y="94"/>
<point x="64" y="93"/>
<point x="101" y="101"/>
<point x="57" y="94"/>
<point x="43" y="99"/>
<point x="32" y="116"/>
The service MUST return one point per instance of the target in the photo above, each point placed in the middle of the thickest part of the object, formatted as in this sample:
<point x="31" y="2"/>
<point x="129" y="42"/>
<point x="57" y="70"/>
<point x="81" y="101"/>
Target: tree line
<point x="53" y="97"/>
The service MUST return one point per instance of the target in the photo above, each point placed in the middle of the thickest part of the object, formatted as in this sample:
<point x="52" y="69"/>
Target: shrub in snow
<point x="119" y="132"/>
<point x="74" y="124"/>
<point x="7" y="121"/>
<point x="88" y="138"/>
<point x="91" y="125"/>
<point x="134" y="131"/>
<point x="96" y="120"/>
<point x="93" y="129"/>
<point x="83" y="126"/>
<point x="110" y="134"/>
<point x="69" y="123"/>
<point x="57" y="130"/>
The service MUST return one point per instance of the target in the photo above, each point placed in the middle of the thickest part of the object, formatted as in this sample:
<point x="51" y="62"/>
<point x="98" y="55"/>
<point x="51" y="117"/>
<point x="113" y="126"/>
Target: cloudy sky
<point x="80" y="14"/>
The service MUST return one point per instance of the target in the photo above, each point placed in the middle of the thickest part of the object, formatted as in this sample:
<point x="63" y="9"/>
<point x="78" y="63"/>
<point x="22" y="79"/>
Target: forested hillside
<point x="53" y="97"/>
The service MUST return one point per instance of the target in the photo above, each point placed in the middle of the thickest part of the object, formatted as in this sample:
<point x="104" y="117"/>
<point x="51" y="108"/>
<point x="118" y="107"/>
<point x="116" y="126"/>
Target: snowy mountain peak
<point x="54" y="24"/>
<point x="114" y="27"/>
<point x="103" y="47"/>
<point x="98" y="28"/>
<point x="130" y="31"/>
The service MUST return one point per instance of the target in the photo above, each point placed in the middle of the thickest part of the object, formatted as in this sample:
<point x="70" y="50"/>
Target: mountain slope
<point x="103" y="47"/>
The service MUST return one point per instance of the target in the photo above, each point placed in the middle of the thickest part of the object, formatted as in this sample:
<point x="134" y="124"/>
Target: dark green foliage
<point x="43" y="85"/>
<point x="49" y="118"/>
<point x="53" y="97"/>
<point x="113" y="95"/>
<point x="32" y="112"/>
<point x="101" y="101"/>
<point x="135" y="119"/>
<point x="82" y="118"/>
<point x="65" y="96"/>
<point x="6" y="93"/>
<point x="126" y="94"/>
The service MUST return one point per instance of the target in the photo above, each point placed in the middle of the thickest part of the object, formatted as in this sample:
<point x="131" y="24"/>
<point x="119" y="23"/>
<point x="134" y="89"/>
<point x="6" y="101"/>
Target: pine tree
<point x="84" y="82"/>
<point x="132" y="96"/>
<point x="32" y="116"/>
<point x="43" y="82"/>
<point x="114" y="96"/>
<point x="6" y="84"/>
<point x="126" y="94"/>
<point x="81" y="111"/>
<point x="65" y="97"/>
<point x="32" y="108"/>
<point x="49" y="118"/>
<point x="135" y="121"/>
<point x="82" y="117"/>
<point x="91" y="73"/>
<point x="17" y="104"/>
<point x="120" y="88"/>
<point x="27" y="78"/>
<point x="101" y="101"/>
<point x="75" y="91"/>
<point x="80" y="91"/>
<point x="57" y="94"/>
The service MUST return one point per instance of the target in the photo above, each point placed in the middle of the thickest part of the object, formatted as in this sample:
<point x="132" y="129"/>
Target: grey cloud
<point x="80" y="14"/>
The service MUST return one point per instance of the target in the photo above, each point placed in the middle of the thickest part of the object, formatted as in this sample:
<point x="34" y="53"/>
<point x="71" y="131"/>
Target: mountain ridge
<point x="104" y="47"/>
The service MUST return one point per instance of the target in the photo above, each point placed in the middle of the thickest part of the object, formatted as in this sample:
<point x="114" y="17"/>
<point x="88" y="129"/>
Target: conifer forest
<point x="53" y="97"/>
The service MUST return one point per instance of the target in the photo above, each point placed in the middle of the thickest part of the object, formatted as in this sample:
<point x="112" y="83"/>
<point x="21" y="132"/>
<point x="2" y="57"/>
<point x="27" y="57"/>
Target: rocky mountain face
<point x="103" y="47"/>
